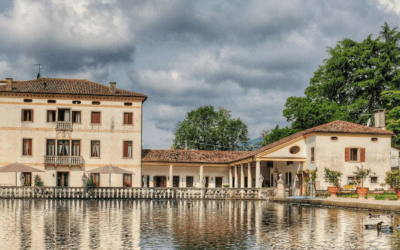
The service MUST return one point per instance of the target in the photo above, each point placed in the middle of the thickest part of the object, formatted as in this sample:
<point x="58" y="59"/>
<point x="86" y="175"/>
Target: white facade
<point x="111" y="133"/>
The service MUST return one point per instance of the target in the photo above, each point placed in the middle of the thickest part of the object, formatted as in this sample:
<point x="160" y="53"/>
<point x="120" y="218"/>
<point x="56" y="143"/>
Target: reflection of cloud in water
<point x="155" y="224"/>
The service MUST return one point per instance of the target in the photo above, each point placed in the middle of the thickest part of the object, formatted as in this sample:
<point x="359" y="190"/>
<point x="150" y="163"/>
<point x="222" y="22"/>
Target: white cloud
<point x="391" y="5"/>
<point x="68" y="23"/>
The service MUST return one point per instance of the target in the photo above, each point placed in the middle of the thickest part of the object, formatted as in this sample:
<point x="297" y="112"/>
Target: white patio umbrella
<point x="18" y="167"/>
<point x="110" y="169"/>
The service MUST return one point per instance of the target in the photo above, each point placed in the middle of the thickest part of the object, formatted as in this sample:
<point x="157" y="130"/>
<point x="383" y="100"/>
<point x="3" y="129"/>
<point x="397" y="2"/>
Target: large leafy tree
<point x="392" y="99"/>
<point x="207" y="129"/>
<point x="349" y="84"/>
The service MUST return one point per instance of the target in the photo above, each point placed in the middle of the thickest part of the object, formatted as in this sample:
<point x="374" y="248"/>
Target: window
<point x="350" y="180"/>
<point x="51" y="101"/>
<point x="95" y="148"/>
<point x="374" y="139"/>
<point x="76" y="116"/>
<point x="272" y="180"/>
<point x="63" y="115"/>
<point x="353" y="154"/>
<point x="51" y="115"/>
<point x="76" y="148"/>
<point x="334" y="138"/>
<point x="76" y="102"/>
<point x="218" y="182"/>
<point x="127" y="103"/>
<point x="288" y="179"/>
<point x="96" y="103"/>
<point x="27" y="115"/>
<point x="27" y="100"/>
<point x="312" y="154"/>
<point x="270" y="164"/>
<point x="189" y="181"/>
<point x="294" y="149"/>
<point x="51" y="147"/>
<point x="289" y="163"/>
<point x="175" y="181"/>
<point x="96" y="117"/>
<point x="63" y="148"/>
<point x="374" y="179"/>
<point x="27" y="147"/>
<point x="127" y="149"/>
<point x="62" y="179"/>
<point x="128" y="118"/>
<point x="96" y="179"/>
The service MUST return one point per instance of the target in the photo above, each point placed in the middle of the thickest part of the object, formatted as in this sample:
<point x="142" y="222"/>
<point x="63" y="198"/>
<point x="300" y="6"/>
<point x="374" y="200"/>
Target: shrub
<point x="333" y="177"/>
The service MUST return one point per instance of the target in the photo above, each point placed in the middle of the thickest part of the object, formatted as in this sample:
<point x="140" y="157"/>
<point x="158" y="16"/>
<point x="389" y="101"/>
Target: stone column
<point x="249" y="176"/>
<point x="171" y="176"/>
<point x="242" y="176"/>
<point x="201" y="176"/>
<point x="230" y="178"/>
<point x="236" y="177"/>
<point x="258" y="174"/>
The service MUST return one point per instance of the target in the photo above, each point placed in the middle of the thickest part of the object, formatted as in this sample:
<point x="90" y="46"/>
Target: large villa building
<point x="68" y="127"/>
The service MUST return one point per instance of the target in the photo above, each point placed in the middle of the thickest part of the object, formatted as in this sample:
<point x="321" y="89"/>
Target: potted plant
<point x="38" y="181"/>
<point x="333" y="177"/>
<point x="393" y="180"/>
<point x="359" y="176"/>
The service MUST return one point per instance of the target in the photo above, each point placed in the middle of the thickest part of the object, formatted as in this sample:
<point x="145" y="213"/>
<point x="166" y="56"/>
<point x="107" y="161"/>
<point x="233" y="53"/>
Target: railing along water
<point x="133" y="193"/>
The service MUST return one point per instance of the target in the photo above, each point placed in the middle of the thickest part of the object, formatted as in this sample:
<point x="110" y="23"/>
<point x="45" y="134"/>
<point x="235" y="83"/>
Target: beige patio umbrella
<point x="18" y="167"/>
<point x="110" y="169"/>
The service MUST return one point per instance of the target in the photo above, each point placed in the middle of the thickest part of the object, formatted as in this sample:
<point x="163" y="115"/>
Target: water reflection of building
<point x="118" y="224"/>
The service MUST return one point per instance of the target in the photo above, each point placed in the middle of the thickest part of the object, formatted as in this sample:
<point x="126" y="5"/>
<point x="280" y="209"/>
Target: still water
<point x="185" y="224"/>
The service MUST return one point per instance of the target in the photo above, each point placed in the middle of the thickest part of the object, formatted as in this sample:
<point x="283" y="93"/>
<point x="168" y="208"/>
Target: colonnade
<point x="233" y="175"/>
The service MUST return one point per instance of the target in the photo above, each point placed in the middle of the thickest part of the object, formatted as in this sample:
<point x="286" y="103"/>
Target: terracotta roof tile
<point x="65" y="86"/>
<point x="190" y="156"/>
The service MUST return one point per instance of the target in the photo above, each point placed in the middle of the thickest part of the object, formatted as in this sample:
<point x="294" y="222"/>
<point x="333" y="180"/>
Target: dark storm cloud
<point x="248" y="56"/>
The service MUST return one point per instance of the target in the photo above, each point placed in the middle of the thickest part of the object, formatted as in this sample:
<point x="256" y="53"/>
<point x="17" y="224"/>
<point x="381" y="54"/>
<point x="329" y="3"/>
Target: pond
<point x="187" y="224"/>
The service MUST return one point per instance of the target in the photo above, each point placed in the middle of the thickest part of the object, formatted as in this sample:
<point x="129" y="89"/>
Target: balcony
<point x="64" y="126"/>
<point x="63" y="160"/>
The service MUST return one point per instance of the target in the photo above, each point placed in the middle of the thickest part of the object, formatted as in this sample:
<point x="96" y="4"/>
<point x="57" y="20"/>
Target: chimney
<point x="9" y="84"/>
<point x="380" y="119"/>
<point x="113" y="88"/>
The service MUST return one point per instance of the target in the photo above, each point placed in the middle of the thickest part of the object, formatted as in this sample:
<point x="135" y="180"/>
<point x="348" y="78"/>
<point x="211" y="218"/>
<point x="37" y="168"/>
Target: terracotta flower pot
<point x="333" y="190"/>
<point x="397" y="192"/>
<point x="362" y="192"/>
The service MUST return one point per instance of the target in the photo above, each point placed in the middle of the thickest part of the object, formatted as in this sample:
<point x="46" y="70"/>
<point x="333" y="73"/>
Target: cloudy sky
<point x="248" y="56"/>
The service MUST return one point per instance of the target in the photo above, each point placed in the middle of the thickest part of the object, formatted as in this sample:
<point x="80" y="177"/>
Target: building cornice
<point x="72" y="97"/>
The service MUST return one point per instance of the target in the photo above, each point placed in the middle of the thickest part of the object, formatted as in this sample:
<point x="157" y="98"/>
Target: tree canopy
<point x="207" y="129"/>
<point x="348" y="86"/>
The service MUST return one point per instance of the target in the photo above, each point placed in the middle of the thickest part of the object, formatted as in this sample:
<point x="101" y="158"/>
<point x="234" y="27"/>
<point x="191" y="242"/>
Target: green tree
<point x="349" y="84"/>
<point x="207" y="129"/>
<point x="270" y="136"/>
<point x="392" y="99"/>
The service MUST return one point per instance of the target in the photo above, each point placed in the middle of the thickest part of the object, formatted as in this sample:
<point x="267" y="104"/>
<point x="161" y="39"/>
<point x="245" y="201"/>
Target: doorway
<point x="207" y="181"/>
<point x="28" y="179"/>
<point x="62" y="179"/>
<point x="160" y="181"/>
<point x="175" y="181"/>
<point x="300" y="177"/>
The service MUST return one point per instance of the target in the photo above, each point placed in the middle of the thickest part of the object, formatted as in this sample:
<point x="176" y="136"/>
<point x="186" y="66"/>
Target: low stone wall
<point x="373" y="205"/>
<point x="134" y="193"/>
